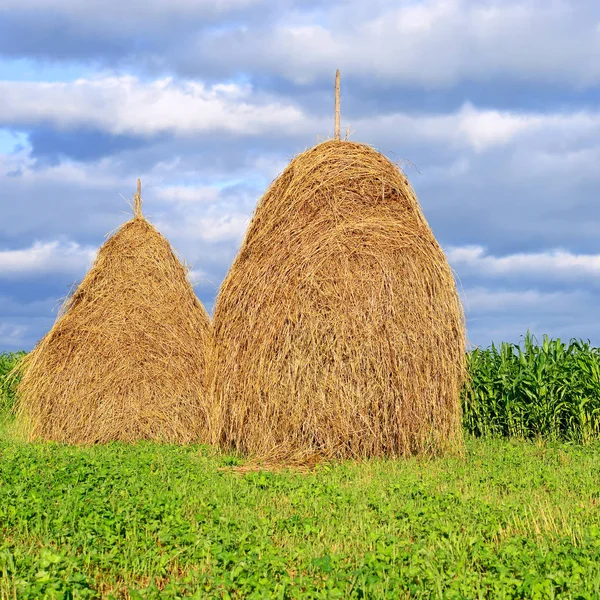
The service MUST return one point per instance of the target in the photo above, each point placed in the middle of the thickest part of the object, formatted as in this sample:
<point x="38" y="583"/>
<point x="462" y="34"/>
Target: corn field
<point x="549" y="390"/>
<point x="8" y="361"/>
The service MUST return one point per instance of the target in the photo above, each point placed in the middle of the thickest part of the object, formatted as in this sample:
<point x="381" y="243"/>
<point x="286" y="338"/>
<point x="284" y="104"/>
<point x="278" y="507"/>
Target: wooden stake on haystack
<point x="336" y="134"/>
<point x="137" y="199"/>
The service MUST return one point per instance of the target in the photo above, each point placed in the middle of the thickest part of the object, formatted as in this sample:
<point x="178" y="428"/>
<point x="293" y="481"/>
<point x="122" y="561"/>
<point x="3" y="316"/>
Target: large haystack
<point x="339" y="331"/>
<point x="127" y="358"/>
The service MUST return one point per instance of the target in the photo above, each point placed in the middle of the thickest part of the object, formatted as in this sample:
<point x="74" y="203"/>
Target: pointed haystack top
<point x="336" y="134"/>
<point x="127" y="358"/>
<point x="137" y="199"/>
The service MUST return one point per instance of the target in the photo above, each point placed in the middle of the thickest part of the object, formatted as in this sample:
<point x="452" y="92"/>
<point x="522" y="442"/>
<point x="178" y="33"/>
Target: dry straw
<point x="128" y="357"/>
<point x="339" y="331"/>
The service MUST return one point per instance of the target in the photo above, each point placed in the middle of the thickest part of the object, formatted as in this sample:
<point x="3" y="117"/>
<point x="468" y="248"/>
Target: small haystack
<point x="339" y="330"/>
<point x="128" y="357"/>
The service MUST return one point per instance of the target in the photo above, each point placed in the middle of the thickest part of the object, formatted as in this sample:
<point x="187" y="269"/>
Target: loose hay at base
<point x="128" y="357"/>
<point x="338" y="329"/>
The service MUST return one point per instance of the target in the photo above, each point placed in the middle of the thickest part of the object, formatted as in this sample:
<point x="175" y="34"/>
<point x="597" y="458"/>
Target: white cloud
<point x="481" y="130"/>
<point x="196" y="275"/>
<point x="484" y="300"/>
<point x="224" y="228"/>
<point x="209" y="228"/>
<point x="125" y="105"/>
<point x="98" y="175"/>
<point x="45" y="258"/>
<point x="484" y="129"/>
<point x="553" y="263"/>
<point x="188" y="194"/>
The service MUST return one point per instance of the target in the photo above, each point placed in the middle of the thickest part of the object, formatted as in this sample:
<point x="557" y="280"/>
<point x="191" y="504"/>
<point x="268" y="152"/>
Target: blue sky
<point x="492" y="106"/>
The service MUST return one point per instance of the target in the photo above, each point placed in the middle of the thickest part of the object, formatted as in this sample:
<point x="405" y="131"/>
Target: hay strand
<point x="338" y="330"/>
<point x="128" y="357"/>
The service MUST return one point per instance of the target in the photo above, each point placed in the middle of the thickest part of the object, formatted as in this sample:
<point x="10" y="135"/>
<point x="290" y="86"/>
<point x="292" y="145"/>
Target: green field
<point x="510" y="520"/>
<point x="513" y="518"/>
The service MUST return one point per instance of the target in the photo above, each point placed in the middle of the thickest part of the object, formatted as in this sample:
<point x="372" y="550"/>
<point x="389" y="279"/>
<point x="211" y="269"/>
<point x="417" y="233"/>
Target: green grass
<point x="510" y="520"/>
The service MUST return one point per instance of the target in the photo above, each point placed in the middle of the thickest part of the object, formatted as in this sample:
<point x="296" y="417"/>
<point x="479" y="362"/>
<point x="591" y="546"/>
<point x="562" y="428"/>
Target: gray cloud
<point x="427" y="44"/>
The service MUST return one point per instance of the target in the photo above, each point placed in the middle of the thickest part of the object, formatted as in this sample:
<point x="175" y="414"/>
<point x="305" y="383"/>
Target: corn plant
<point x="7" y="385"/>
<point x="529" y="390"/>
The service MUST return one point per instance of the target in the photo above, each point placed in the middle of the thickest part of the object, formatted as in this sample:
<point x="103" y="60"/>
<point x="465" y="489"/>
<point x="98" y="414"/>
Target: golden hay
<point x="339" y="330"/>
<point x="127" y="358"/>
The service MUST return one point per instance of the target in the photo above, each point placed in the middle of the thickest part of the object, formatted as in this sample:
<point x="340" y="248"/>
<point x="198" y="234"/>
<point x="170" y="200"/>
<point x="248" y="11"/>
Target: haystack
<point x="339" y="331"/>
<point x="128" y="356"/>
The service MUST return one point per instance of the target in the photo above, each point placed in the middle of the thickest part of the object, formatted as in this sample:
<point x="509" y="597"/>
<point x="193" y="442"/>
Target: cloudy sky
<point x="492" y="106"/>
